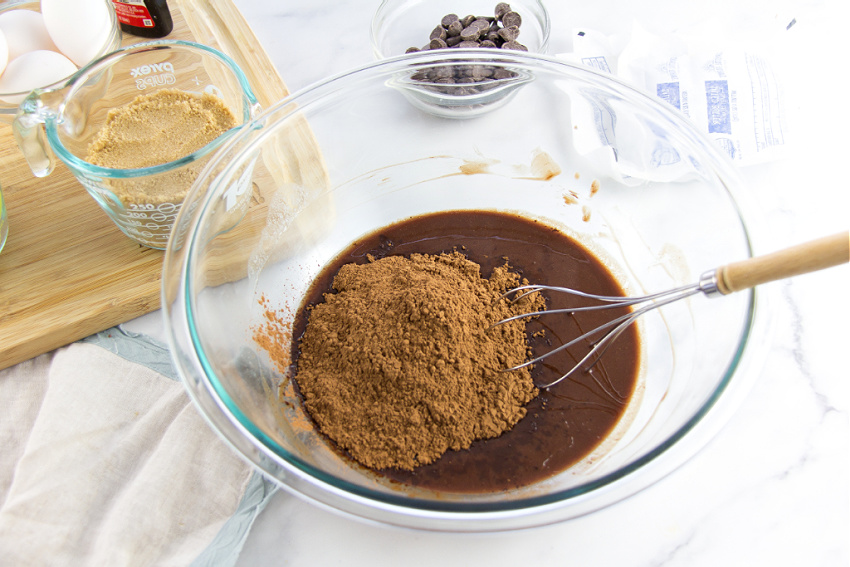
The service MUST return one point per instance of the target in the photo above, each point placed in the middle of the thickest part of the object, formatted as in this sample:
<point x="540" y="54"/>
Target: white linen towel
<point x="106" y="462"/>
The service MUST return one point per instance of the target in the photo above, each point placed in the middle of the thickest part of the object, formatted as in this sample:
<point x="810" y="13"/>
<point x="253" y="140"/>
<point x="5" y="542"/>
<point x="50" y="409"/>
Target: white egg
<point x="79" y="28"/>
<point x="31" y="71"/>
<point x="4" y="51"/>
<point x="25" y="31"/>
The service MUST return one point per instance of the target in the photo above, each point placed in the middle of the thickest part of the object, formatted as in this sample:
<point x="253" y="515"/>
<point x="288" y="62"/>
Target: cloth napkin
<point x="104" y="460"/>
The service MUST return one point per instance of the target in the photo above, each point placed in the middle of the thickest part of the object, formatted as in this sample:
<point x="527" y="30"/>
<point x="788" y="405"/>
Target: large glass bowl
<point x="618" y="170"/>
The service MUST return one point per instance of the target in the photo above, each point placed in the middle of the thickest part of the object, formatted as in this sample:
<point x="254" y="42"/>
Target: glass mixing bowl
<point x="618" y="170"/>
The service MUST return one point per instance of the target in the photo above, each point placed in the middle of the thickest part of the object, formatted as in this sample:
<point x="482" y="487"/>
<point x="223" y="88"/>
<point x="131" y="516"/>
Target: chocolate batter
<point x="565" y="422"/>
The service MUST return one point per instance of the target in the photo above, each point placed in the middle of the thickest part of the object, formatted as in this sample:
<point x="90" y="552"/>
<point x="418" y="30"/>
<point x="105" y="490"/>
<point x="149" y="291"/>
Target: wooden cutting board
<point x="66" y="270"/>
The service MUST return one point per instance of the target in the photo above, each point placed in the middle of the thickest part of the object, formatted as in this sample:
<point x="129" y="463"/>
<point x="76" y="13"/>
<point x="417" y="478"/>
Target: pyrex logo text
<point x="153" y="74"/>
<point x="152" y="68"/>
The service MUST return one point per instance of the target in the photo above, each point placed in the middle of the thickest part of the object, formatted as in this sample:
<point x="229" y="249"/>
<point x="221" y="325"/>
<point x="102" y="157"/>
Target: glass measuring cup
<point x="62" y="122"/>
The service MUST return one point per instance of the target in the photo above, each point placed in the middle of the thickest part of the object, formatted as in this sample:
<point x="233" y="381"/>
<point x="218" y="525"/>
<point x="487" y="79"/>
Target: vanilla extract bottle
<point x="144" y="18"/>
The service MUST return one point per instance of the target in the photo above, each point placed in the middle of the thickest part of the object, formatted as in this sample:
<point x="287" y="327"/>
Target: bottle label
<point x="133" y="13"/>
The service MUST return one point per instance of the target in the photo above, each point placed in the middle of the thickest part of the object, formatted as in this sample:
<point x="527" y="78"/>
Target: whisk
<point x="800" y="259"/>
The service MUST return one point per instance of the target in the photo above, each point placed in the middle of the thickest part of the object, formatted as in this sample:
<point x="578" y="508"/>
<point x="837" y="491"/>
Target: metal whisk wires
<point x="803" y="258"/>
<point x="604" y="335"/>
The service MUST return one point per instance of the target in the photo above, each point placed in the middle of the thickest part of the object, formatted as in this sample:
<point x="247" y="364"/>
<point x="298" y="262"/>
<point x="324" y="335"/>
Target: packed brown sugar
<point x="406" y="377"/>
<point x="155" y="129"/>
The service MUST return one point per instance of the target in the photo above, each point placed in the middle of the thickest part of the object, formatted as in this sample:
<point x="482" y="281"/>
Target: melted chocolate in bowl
<point x="564" y="423"/>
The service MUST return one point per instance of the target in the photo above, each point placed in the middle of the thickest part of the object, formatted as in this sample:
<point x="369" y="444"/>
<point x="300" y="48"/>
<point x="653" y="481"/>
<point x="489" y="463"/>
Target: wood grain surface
<point x="67" y="271"/>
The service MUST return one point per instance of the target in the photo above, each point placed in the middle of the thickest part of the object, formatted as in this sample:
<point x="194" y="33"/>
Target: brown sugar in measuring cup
<point x="143" y="199"/>
<point x="155" y="129"/>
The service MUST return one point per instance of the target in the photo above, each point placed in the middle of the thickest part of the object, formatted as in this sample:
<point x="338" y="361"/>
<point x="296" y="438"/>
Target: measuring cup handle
<point x="28" y="129"/>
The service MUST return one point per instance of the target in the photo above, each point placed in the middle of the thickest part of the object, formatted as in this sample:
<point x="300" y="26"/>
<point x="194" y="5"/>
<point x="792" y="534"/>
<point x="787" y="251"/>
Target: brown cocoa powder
<point x="274" y="335"/>
<point x="400" y="365"/>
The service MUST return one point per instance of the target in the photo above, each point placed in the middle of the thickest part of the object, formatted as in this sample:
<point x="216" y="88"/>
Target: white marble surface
<point x="772" y="487"/>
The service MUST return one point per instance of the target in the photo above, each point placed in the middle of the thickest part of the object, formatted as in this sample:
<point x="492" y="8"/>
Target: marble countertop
<point x="772" y="486"/>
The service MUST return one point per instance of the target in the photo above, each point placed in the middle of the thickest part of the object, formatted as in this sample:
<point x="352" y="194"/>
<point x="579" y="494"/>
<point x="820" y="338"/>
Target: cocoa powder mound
<point x="399" y="365"/>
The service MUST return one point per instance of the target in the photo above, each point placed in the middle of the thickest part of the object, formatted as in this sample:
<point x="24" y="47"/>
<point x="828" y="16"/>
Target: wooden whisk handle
<point x="801" y="259"/>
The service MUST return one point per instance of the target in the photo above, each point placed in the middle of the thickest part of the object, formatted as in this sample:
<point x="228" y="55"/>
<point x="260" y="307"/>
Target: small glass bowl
<point x="9" y="101"/>
<point x="400" y="24"/>
<point x="452" y="89"/>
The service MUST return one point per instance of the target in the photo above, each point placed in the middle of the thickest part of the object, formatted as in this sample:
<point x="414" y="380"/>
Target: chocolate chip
<point x="467" y="44"/>
<point x="511" y="19"/>
<point x="470" y="33"/>
<point x="481" y="24"/>
<point x="502" y="8"/>
<point x="488" y="43"/>
<point x="448" y="19"/>
<point x="438" y="33"/>
<point x="437" y="43"/>
<point x="514" y="45"/>
<point x="481" y="72"/>
<point x="412" y="50"/>
<point x="454" y="28"/>
<point x="444" y="72"/>
<point x="510" y="33"/>
<point x="453" y="40"/>
<point x="468" y="20"/>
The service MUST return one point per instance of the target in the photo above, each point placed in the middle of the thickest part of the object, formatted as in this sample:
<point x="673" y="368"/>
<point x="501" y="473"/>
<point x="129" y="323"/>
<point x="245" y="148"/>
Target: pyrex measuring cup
<point x="63" y="122"/>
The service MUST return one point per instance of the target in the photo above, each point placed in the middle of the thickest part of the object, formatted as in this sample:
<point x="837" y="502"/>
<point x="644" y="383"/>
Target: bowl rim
<point x="210" y="395"/>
